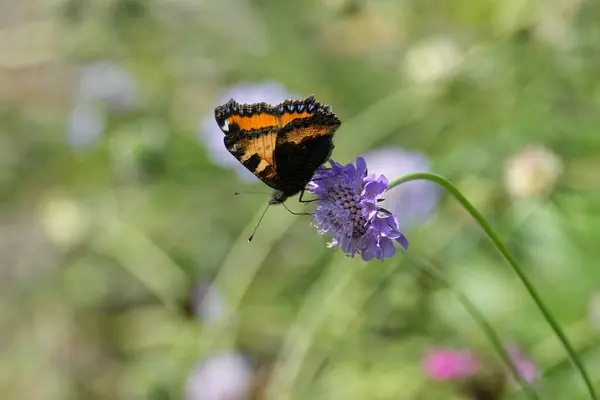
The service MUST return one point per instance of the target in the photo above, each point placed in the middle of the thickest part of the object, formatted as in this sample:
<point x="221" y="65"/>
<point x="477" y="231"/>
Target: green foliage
<point x="102" y="245"/>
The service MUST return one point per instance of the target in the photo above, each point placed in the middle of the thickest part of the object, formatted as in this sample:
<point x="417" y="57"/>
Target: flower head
<point x="208" y="131"/>
<point x="347" y="208"/>
<point x="412" y="202"/>
<point x="450" y="365"/>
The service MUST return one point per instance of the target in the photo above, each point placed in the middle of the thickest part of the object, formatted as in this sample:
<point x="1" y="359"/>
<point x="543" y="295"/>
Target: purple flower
<point x="348" y="208"/>
<point x="102" y="87"/>
<point x="450" y="365"/>
<point x="209" y="132"/>
<point x="412" y="202"/>
<point x="207" y="303"/>
<point x="85" y="126"/>
<point x="108" y="82"/>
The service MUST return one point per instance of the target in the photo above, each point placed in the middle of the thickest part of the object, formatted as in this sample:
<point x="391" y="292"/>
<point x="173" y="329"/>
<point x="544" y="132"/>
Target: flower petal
<point x="347" y="208"/>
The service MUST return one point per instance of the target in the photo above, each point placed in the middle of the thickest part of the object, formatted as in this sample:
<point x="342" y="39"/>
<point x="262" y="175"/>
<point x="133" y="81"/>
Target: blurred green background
<point x="117" y="196"/>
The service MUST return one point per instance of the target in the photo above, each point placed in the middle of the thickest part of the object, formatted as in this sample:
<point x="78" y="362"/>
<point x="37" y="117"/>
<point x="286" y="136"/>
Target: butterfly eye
<point x="300" y="107"/>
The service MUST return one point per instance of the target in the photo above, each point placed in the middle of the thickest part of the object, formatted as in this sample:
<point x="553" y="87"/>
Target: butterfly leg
<point x="305" y="201"/>
<point x="294" y="213"/>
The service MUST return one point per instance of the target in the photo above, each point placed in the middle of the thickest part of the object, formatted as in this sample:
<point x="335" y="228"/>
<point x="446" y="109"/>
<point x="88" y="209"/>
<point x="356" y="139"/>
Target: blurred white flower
<point x="64" y="221"/>
<point x="555" y="29"/>
<point x="211" y="135"/>
<point x="412" y="202"/>
<point x="554" y="25"/>
<point x="531" y="172"/>
<point x="429" y="62"/>
<point x="224" y="376"/>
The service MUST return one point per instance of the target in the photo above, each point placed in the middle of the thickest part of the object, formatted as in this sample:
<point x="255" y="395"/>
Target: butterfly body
<point x="282" y="145"/>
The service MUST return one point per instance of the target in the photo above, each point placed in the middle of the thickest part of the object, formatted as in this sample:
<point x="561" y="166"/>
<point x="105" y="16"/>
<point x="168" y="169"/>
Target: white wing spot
<point x="225" y="126"/>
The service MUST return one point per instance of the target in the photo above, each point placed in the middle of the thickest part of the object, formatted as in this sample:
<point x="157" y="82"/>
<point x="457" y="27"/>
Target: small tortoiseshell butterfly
<point x="282" y="145"/>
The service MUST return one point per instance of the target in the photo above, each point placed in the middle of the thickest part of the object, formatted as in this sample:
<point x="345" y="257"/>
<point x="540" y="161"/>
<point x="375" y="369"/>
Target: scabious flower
<point x="348" y="208"/>
<point x="450" y="365"/>
<point x="412" y="202"/>
<point x="211" y="135"/>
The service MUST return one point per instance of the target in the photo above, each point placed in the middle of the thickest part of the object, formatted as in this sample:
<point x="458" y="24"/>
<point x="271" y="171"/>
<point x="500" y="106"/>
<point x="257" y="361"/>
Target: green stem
<point x="480" y="320"/>
<point x="511" y="261"/>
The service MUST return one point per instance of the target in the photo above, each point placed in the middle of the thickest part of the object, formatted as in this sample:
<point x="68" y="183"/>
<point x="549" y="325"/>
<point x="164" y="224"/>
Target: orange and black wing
<point x="250" y="136"/>
<point x="304" y="143"/>
<point x="279" y="144"/>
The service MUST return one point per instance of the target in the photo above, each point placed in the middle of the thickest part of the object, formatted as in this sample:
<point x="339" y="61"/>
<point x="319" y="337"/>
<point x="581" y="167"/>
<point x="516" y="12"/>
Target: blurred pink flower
<point x="528" y="370"/>
<point x="444" y="364"/>
<point x="211" y="135"/>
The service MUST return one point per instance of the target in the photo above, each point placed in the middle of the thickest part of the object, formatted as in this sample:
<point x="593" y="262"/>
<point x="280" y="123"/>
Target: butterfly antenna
<point x="239" y="193"/>
<point x="259" y="221"/>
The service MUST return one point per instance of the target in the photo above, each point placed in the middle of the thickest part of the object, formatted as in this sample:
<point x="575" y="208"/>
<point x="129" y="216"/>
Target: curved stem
<point x="511" y="261"/>
<point x="479" y="320"/>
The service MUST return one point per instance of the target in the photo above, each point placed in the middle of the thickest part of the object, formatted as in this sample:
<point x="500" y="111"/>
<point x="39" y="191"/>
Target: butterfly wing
<point x="255" y="150"/>
<point x="281" y="145"/>
<point x="304" y="144"/>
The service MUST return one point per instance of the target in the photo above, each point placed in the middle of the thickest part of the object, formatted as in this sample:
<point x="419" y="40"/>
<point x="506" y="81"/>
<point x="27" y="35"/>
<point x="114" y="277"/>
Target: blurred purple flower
<point x="450" y="365"/>
<point x="212" y="136"/>
<point x="207" y="303"/>
<point x="412" y="202"/>
<point x="85" y="126"/>
<point x="348" y="209"/>
<point x="102" y="86"/>
<point x="224" y="376"/>
<point x="108" y="82"/>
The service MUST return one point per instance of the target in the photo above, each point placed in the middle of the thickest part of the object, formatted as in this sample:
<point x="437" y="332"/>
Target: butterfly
<point x="283" y="145"/>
